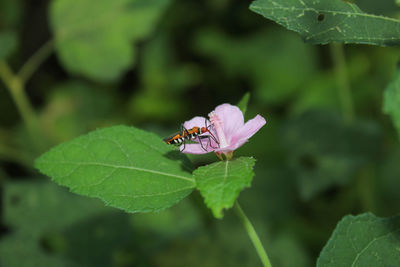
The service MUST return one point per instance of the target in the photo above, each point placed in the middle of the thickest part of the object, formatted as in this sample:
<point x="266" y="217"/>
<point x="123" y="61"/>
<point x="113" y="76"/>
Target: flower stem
<point x="253" y="235"/>
<point x="15" y="83"/>
<point x="34" y="62"/>
<point x="343" y="84"/>
<point x="16" y="88"/>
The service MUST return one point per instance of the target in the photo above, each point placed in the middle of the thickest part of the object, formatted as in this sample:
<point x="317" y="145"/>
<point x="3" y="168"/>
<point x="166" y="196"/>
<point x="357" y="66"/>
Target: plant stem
<point x="34" y="62"/>
<point x="17" y="91"/>
<point x="15" y="83"/>
<point x="366" y="185"/>
<point x="253" y="235"/>
<point x="343" y="84"/>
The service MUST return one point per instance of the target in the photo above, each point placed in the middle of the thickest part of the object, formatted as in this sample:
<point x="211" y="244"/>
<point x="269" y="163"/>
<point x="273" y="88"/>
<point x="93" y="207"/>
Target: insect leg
<point x="211" y="134"/>
<point x="184" y="134"/>
<point x="184" y="146"/>
<point x="201" y="142"/>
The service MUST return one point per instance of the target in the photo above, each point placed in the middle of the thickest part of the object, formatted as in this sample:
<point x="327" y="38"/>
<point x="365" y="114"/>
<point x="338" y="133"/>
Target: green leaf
<point x="244" y="102"/>
<point x="391" y="100"/>
<point x="325" y="21"/>
<point x="325" y="151"/>
<point x="389" y="182"/>
<point x="363" y="240"/>
<point x="94" y="38"/>
<point x="35" y="208"/>
<point x="276" y="55"/>
<point x="11" y="13"/>
<point x="28" y="216"/>
<point x="126" y="167"/>
<point x="34" y="254"/>
<point x="221" y="182"/>
<point x="8" y="43"/>
<point x="74" y="108"/>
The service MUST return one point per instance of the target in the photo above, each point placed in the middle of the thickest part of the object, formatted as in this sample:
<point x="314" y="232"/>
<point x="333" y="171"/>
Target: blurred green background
<point x="158" y="63"/>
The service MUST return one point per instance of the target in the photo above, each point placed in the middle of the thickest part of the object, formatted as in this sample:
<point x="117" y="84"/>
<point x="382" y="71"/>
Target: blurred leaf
<point x="180" y="219"/>
<point x="126" y="167"/>
<point x="148" y="106"/>
<point x="160" y="68"/>
<point x="244" y="102"/>
<point x="272" y="184"/>
<point x="12" y="247"/>
<point x="74" y="108"/>
<point x="391" y="101"/>
<point x="94" y="242"/>
<point x="32" y="209"/>
<point x="284" y="245"/>
<point x="363" y="240"/>
<point x="226" y="237"/>
<point x="53" y="227"/>
<point x="94" y="38"/>
<point x="221" y="182"/>
<point x="8" y="43"/>
<point x="382" y="7"/>
<point x="324" y="151"/>
<point x="388" y="184"/>
<point x="325" y="21"/>
<point x="10" y="13"/>
<point x="225" y="244"/>
<point x="35" y="207"/>
<point x="270" y="59"/>
<point x="319" y="93"/>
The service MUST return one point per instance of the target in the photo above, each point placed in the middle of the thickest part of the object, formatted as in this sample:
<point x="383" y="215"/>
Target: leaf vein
<point x="122" y="167"/>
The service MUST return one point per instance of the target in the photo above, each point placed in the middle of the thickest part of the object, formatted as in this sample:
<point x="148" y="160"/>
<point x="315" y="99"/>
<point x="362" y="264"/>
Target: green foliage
<point x="285" y="245"/>
<point x="388" y="183"/>
<point x="274" y="69"/>
<point x="244" y="102"/>
<point x="162" y="66"/>
<point x="74" y="108"/>
<point x="95" y="38"/>
<point x="221" y="182"/>
<point x="10" y="13"/>
<point x="363" y="240"/>
<point x="34" y="209"/>
<point x="125" y="167"/>
<point x="326" y="152"/>
<point x="160" y="71"/>
<point x="8" y="43"/>
<point x="325" y="21"/>
<point x="391" y="101"/>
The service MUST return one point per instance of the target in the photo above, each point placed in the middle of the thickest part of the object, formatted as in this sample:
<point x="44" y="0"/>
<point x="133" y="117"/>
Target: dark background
<point x="313" y="167"/>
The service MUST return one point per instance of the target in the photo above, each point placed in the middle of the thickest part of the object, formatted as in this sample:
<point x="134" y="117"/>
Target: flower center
<point x="216" y="122"/>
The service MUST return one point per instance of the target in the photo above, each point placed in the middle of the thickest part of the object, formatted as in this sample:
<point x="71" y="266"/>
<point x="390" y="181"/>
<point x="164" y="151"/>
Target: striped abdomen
<point x="179" y="138"/>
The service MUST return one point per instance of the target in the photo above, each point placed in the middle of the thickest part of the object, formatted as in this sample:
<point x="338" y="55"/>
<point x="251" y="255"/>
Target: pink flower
<point x="228" y="128"/>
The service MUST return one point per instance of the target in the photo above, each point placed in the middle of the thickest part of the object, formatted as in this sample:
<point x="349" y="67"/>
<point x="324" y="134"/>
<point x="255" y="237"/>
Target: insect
<point x="191" y="134"/>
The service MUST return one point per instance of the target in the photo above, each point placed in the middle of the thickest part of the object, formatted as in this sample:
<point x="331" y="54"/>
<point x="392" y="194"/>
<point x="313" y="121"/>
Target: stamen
<point x="217" y="123"/>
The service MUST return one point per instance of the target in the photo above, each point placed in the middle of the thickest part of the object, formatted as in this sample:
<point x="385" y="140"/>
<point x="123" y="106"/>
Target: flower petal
<point x="248" y="130"/>
<point x="232" y="147"/>
<point x="226" y="149"/>
<point x="195" y="149"/>
<point x="231" y="118"/>
<point x="196" y="122"/>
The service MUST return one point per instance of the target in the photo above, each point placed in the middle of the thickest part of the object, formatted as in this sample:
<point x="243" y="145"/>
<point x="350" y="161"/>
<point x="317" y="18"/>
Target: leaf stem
<point x="343" y="84"/>
<point x="34" y="62"/>
<point x="366" y="184"/>
<point x="253" y="235"/>
<point x="16" y="88"/>
<point x="15" y="84"/>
